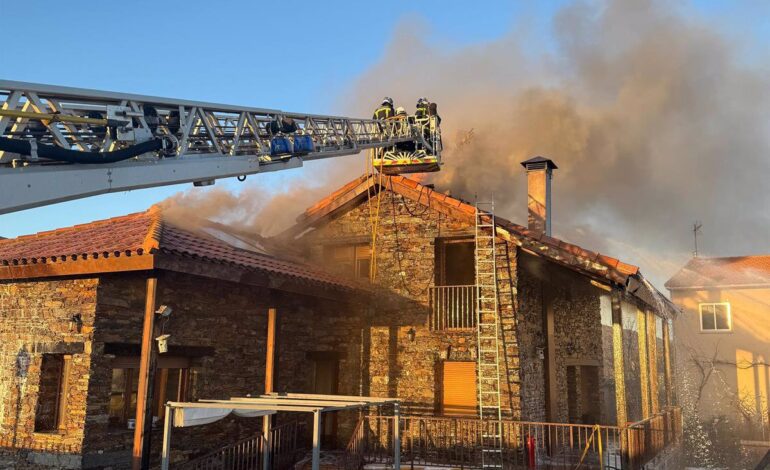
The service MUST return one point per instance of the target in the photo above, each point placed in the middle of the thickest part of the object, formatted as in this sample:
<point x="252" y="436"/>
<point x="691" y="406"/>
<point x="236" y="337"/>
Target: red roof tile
<point x="559" y="250"/>
<point x="143" y="233"/>
<point x="723" y="272"/>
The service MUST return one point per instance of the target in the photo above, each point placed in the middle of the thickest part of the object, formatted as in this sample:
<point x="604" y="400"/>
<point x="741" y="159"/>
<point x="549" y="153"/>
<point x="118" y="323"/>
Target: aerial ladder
<point x="61" y="143"/>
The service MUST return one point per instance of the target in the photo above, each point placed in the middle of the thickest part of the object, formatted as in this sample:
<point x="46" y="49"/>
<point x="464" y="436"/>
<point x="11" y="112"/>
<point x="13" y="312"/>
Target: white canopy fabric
<point x="186" y="417"/>
<point x="180" y="414"/>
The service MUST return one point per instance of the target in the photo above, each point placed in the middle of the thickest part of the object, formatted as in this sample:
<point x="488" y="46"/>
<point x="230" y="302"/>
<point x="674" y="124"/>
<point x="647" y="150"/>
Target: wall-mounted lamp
<point x="164" y="311"/>
<point x="411" y="334"/>
<point x="76" y="320"/>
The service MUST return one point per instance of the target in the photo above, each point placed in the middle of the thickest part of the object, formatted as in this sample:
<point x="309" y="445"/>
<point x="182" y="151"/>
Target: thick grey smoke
<point x="650" y="115"/>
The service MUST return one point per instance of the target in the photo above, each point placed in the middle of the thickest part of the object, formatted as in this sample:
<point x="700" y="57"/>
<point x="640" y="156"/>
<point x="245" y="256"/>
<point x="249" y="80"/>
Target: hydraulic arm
<point x="61" y="143"/>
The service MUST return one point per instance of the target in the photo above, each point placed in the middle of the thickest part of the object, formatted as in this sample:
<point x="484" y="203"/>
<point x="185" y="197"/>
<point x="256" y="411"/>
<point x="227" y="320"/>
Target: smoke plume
<point x="650" y="115"/>
<point x="252" y="210"/>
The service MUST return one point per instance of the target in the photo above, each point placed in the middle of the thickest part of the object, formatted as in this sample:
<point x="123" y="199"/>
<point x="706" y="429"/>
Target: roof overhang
<point x="172" y="263"/>
<point x="77" y="267"/>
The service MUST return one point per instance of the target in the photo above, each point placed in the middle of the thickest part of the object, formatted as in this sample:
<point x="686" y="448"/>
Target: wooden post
<point x="667" y="381"/>
<point x="143" y="425"/>
<point x="644" y="376"/>
<point x="620" y="379"/>
<point x="165" y="455"/>
<point x="269" y="382"/>
<point x="316" y="465"/>
<point x="396" y="436"/>
<point x="652" y="348"/>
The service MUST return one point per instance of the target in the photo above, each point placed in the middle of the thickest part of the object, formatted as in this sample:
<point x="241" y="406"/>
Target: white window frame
<point x="715" y="330"/>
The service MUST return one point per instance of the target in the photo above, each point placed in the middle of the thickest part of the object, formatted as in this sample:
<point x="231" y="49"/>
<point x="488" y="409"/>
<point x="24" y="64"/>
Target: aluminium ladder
<point x="488" y="338"/>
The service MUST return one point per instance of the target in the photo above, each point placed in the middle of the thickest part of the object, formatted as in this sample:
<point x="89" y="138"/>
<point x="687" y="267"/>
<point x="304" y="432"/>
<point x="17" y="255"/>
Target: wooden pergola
<point x="272" y="403"/>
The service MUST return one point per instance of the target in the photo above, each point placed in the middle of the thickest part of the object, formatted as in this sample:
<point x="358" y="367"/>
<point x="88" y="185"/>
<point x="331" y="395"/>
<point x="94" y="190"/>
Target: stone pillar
<point x="620" y="379"/>
<point x="652" y="354"/>
<point x="644" y="376"/>
<point x="549" y="327"/>
<point x="667" y="380"/>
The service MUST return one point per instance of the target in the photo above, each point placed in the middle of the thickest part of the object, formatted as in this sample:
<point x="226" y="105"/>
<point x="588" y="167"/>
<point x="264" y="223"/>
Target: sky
<point x="296" y="56"/>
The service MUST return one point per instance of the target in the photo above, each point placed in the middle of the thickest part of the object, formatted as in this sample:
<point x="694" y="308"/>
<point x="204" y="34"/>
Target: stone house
<point x="558" y="303"/>
<point x="723" y="340"/>
<point x="72" y="306"/>
<point x="75" y="306"/>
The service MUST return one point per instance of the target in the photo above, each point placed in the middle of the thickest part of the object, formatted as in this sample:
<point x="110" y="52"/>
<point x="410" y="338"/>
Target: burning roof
<point x="142" y="235"/>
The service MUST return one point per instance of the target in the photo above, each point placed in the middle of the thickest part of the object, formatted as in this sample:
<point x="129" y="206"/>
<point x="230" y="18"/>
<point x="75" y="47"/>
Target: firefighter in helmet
<point x="423" y="108"/>
<point x="385" y="110"/>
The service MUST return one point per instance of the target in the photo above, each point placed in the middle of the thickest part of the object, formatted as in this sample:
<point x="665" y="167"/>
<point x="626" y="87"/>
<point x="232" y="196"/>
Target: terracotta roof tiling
<point x="558" y="250"/>
<point x="97" y="238"/>
<point x="733" y="271"/>
<point x="145" y="233"/>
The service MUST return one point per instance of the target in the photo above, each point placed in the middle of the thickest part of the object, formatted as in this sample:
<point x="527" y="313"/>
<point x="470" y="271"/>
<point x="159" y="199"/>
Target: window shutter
<point x="459" y="397"/>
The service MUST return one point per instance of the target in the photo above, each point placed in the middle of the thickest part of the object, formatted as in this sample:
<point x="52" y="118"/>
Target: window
<point x="353" y="260"/>
<point x="715" y="317"/>
<point x="173" y="382"/>
<point x="459" y="388"/>
<point x="52" y="392"/>
<point x="455" y="262"/>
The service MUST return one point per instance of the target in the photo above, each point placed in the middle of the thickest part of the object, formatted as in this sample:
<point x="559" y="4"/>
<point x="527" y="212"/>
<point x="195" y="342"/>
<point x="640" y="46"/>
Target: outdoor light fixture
<point x="164" y="311"/>
<point x="162" y="343"/>
<point x="411" y="334"/>
<point x="77" y="321"/>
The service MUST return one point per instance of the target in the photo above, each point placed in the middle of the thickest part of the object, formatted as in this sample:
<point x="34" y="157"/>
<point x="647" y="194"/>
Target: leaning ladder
<point x="488" y="338"/>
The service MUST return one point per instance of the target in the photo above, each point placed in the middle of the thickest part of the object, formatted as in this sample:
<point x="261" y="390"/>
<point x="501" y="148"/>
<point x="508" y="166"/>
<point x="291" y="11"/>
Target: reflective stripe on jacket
<point x="383" y="112"/>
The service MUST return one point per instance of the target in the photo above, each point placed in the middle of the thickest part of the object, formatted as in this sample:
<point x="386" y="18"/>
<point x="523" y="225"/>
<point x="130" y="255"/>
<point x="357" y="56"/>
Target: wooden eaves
<point x="172" y="263"/>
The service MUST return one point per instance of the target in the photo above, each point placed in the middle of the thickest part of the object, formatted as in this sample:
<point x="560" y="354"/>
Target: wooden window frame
<point x="62" y="385"/>
<point x="128" y="364"/>
<point x="353" y="259"/>
<point x="440" y="255"/>
<point x="714" y="313"/>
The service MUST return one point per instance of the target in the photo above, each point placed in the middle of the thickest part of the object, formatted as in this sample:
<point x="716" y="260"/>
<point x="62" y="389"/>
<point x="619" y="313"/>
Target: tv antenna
<point x="695" y="230"/>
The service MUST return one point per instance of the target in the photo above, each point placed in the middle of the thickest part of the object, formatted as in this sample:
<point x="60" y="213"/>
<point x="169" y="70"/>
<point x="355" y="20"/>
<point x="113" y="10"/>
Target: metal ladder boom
<point x="488" y="338"/>
<point x="210" y="140"/>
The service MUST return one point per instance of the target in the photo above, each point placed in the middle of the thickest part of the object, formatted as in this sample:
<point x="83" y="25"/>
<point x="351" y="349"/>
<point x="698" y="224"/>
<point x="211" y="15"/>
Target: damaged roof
<point x="596" y="265"/>
<point x="565" y="253"/>
<point x="733" y="271"/>
<point x="148" y="233"/>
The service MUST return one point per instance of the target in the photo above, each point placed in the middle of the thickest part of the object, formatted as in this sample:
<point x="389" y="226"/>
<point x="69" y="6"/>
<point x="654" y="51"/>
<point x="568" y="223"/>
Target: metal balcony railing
<point x="452" y="307"/>
<point x="456" y="442"/>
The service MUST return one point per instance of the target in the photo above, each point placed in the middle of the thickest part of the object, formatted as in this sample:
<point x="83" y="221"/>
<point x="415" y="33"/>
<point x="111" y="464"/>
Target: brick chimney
<point x="539" y="173"/>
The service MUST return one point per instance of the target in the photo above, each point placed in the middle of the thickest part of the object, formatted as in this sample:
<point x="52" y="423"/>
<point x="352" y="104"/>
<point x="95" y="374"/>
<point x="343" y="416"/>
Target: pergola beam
<point x="297" y="402"/>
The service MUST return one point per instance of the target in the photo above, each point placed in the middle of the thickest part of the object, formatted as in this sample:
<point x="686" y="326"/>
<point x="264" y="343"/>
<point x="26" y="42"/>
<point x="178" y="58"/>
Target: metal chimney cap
<point x="539" y="163"/>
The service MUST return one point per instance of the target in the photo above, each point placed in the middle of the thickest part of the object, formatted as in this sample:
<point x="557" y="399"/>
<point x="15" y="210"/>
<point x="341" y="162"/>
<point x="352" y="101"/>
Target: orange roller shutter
<point x="459" y="394"/>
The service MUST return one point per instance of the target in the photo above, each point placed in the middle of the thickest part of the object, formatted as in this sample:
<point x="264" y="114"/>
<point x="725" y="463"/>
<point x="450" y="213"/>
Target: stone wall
<point x="394" y="364"/>
<point x="578" y="334"/>
<point x="225" y="319"/>
<point x="36" y="319"/>
<point x="230" y="319"/>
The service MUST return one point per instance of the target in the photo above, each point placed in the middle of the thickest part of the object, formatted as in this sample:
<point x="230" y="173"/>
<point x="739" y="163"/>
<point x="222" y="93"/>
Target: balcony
<point x="452" y="307"/>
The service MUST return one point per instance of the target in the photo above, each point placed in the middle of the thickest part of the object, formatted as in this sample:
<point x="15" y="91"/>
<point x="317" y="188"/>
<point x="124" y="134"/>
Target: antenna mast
<point x="695" y="230"/>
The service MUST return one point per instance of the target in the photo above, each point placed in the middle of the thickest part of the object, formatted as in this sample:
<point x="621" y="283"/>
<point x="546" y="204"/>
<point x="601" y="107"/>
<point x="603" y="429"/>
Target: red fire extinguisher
<point x="530" y="451"/>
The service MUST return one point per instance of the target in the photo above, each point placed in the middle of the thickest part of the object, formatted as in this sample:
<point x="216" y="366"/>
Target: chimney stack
<point x="539" y="173"/>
